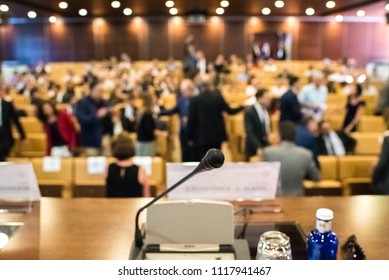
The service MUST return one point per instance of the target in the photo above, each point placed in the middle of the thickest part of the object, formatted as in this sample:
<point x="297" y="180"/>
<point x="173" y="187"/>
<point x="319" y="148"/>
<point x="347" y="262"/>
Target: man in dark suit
<point x="289" y="104"/>
<point x="8" y="115"/>
<point x="187" y="90"/>
<point x="206" y="128"/>
<point x="305" y="136"/>
<point x="381" y="175"/>
<point x="257" y="124"/>
<point x="331" y="142"/>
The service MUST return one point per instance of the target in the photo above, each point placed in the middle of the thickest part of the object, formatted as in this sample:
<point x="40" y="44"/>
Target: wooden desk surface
<point x="103" y="229"/>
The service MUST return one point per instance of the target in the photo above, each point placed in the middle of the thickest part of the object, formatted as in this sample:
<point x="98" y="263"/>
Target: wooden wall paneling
<point x="310" y="41"/>
<point x="356" y="45"/>
<point x="332" y="39"/>
<point x="158" y="41"/>
<point x="379" y="43"/>
<point x="60" y="42"/>
<point x="83" y="41"/>
<point x="114" y="39"/>
<point x="234" y="38"/>
<point x="178" y="31"/>
<point x="130" y="41"/>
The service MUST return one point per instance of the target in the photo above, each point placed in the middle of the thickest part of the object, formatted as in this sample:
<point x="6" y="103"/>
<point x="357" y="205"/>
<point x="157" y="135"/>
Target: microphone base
<point x="240" y="248"/>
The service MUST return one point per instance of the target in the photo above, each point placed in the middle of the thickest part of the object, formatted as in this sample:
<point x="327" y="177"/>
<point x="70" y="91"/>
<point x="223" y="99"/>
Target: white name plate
<point x="145" y="162"/>
<point x="18" y="182"/>
<point x="233" y="181"/>
<point x="96" y="165"/>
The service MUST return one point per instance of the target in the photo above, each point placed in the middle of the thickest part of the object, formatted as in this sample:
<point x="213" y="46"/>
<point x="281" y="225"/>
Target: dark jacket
<point x="349" y="144"/>
<point x="305" y="139"/>
<point x="92" y="127"/>
<point x="9" y="116"/>
<point x="256" y="135"/>
<point x="290" y="108"/>
<point x="206" y="123"/>
<point x="381" y="171"/>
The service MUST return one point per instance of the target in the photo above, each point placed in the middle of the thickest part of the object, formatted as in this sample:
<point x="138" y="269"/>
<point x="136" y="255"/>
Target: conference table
<point x="103" y="229"/>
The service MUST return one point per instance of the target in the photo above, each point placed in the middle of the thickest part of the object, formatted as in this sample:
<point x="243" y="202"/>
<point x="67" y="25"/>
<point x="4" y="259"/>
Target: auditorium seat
<point x="355" y="173"/>
<point x="336" y="121"/>
<point x="371" y="124"/>
<point x="329" y="183"/>
<point x="36" y="146"/>
<point x="31" y="125"/>
<point x="87" y="184"/>
<point x="55" y="183"/>
<point x="367" y="143"/>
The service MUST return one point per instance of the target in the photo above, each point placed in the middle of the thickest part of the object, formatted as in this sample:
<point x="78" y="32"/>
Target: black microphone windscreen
<point x="213" y="159"/>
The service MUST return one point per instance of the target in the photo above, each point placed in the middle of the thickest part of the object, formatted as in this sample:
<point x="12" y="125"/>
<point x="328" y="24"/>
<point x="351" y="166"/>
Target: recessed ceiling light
<point x="31" y="14"/>
<point x="330" y="4"/>
<point x="338" y="18"/>
<point x="224" y="3"/>
<point x="169" y="4"/>
<point x="361" y="13"/>
<point x="127" y="11"/>
<point x="220" y="11"/>
<point x="63" y="5"/>
<point x="53" y="19"/>
<point x="310" y="11"/>
<point x="173" y="11"/>
<point x="279" y="4"/>
<point x="82" y="12"/>
<point x="387" y="7"/>
<point x="266" y="11"/>
<point x="115" y="4"/>
<point x="4" y="8"/>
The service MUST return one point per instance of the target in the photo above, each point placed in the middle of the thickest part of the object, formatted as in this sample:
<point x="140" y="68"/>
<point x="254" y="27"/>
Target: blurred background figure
<point x="124" y="178"/>
<point x="60" y="130"/>
<point x="8" y="117"/>
<point x="354" y="108"/>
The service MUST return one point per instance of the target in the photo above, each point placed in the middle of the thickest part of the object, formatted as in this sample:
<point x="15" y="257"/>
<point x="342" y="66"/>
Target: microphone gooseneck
<point x="213" y="159"/>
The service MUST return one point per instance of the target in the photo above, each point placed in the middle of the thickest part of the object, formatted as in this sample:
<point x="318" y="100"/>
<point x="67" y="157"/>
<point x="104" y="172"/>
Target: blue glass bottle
<point x="322" y="242"/>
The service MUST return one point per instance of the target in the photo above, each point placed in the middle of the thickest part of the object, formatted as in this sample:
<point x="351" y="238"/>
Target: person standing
<point x="60" y="130"/>
<point x="187" y="90"/>
<point x="206" y="127"/>
<point x="289" y="104"/>
<point x="257" y="124"/>
<point x="313" y="97"/>
<point x="91" y="113"/>
<point x="354" y="109"/>
<point x="8" y="116"/>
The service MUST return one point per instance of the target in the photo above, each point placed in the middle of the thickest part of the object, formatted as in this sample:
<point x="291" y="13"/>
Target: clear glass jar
<point x="274" y="245"/>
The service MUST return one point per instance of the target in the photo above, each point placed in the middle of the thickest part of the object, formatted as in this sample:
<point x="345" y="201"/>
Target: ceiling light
<point x="361" y="13"/>
<point x="224" y="3"/>
<point x="63" y="5"/>
<point x="53" y="19"/>
<point x="173" y="11"/>
<point x="169" y="4"/>
<point x="387" y="7"/>
<point x="279" y="4"/>
<point x="310" y="11"/>
<point x="127" y="11"/>
<point x="115" y="4"/>
<point x="266" y="11"/>
<point x="330" y="4"/>
<point x="219" y="11"/>
<point x="31" y="14"/>
<point x="4" y="8"/>
<point x="339" y="18"/>
<point x="82" y="12"/>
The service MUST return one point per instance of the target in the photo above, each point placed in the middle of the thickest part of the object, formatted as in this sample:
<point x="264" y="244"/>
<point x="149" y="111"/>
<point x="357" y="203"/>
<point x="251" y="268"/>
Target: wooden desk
<point x="103" y="229"/>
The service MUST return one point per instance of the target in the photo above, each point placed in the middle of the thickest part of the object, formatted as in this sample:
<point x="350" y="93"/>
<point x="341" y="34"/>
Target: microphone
<point x="214" y="158"/>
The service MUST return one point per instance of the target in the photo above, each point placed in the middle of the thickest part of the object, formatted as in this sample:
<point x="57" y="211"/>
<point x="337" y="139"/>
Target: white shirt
<point x="334" y="145"/>
<point x="311" y="95"/>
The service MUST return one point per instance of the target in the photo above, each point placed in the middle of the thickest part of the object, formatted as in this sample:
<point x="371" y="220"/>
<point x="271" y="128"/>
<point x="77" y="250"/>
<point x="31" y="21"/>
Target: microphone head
<point x="213" y="159"/>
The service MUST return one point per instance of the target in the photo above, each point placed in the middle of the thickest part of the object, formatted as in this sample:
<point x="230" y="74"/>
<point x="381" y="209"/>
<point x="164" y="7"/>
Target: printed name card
<point x="18" y="182"/>
<point x="51" y="164"/>
<point x="233" y="181"/>
<point x="96" y="165"/>
<point x="145" y="162"/>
